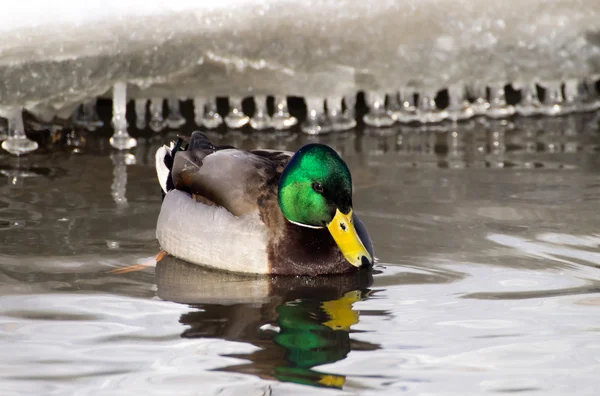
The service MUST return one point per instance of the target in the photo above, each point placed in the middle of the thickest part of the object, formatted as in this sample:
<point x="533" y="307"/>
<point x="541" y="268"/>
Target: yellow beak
<point x="344" y="234"/>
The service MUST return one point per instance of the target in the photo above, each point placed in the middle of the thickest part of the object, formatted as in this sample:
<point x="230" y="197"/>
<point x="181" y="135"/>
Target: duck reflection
<point x="297" y="322"/>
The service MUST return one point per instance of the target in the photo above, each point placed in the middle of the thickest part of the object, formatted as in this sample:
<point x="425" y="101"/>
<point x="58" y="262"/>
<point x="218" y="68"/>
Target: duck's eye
<point x="318" y="187"/>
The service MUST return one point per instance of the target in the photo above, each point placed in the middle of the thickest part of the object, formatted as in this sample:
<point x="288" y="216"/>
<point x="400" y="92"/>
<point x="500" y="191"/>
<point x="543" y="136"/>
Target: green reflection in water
<point x="297" y="323"/>
<point x="315" y="333"/>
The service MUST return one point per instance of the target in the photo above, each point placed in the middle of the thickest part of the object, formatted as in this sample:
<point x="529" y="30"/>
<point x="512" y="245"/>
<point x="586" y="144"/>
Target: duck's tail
<point x="165" y="156"/>
<point x="164" y="164"/>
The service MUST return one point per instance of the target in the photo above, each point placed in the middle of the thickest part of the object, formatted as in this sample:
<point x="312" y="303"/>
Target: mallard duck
<point x="259" y="211"/>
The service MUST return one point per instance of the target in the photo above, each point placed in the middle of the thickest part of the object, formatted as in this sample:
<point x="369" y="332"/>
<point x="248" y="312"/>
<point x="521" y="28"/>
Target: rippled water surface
<point x="487" y="237"/>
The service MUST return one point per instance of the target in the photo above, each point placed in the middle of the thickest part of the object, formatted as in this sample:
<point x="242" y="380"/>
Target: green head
<point x="315" y="190"/>
<point x="313" y="185"/>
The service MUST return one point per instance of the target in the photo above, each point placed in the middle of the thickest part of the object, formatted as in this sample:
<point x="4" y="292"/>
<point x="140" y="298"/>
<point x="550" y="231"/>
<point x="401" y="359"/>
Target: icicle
<point x="199" y="109"/>
<point x="480" y="103"/>
<point x="339" y="121"/>
<point x="120" y="138"/>
<point x="260" y="120"/>
<point x="90" y="115"/>
<point x="408" y="112"/>
<point x="350" y="109"/>
<point x="77" y="116"/>
<point x="174" y="120"/>
<point x="571" y="95"/>
<point x="498" y="106"/>
<point x="459" y="108"/>
<point x="118" y="187"/>
<point x="236" y="118"/>
<point x="211" y="118"/>
<point x="427" y="110"/>
<point x="281" y="118"/>
<point x="592" y="101"/>
<point x="530" y="103"/>
<point x="377" y="116"/>
<point x="140" y="113"/>
<point x="85" y="116"/>
<point x="17" y="142"/>
<point x="3" y="130"/>
<point x="393" y="104"/>
<point x="576" y="96"/>
<point x="157" y="122"/>
<point x="553" y="99"/>
<point x="316" y="123"/>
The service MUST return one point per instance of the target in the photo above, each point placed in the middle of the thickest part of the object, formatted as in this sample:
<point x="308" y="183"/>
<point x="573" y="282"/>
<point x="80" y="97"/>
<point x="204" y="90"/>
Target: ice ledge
<point x="56" y="55"/>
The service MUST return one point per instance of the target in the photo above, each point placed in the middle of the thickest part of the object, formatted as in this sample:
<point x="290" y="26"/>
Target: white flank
<point x="161" y="169"/>
<point x="211" y="236"/>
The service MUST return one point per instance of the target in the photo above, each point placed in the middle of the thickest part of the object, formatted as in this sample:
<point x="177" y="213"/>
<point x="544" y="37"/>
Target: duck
<point x="259" y="211"/>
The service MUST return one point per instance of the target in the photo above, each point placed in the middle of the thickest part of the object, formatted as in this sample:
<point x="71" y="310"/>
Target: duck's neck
<point x="306" y="251"/>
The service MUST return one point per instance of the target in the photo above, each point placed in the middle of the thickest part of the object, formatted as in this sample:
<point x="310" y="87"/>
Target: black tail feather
<point x="168" y="160"/>
<point x="199" y="141"/>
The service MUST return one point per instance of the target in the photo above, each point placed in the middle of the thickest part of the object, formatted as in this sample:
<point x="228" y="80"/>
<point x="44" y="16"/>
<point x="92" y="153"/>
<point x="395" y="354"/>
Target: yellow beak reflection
<point x="343" y="232"/>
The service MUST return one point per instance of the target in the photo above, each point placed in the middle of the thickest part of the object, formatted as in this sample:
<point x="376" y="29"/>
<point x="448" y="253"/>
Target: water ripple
<point x="487" y="280"/>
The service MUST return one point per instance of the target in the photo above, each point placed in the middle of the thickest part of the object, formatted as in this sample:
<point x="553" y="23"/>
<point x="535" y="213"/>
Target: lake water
<point x="488" y="244"/>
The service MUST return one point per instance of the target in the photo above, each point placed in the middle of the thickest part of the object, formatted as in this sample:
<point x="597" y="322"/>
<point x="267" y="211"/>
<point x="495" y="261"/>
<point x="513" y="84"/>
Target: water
<point x="487" y="282"/>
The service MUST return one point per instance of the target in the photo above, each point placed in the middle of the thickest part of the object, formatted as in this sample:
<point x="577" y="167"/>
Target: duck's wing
<point x="228" y="177"/>
<point x="278" y="158"/>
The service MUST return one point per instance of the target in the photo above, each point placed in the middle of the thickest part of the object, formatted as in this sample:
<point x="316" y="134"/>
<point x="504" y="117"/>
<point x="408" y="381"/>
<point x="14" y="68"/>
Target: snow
<point x="56" y="54"/>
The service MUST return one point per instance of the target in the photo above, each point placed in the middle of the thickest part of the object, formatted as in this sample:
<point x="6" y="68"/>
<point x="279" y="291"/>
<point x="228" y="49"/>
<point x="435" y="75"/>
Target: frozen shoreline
<point x="61" y="55"/>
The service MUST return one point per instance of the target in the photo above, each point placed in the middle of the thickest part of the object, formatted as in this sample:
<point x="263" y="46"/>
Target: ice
<point x="459" y="108"/>
<point x="427" y="110"/>
<point x="409" y="108"/>
<point x="118" y="187"/>
<point x="87" y="117"/>
<point x="56" y="55"/>
<point x="157" y="121"/>
<point x="3" y="131"/>
<point x="281" y="117"/>
<point x="236" y="118"/>
<point x="140" y="113"/>
<point x="553" y="99"/>
<point x="58" y="58"/>
<point x="210" y="117"/>
<point x="339" y="120"/>
<point x="120" y="138"/>
<point x="530" y="103"/>
<point x="174" y="119"/>
<point x="378" y="115"/>
<point x="580" y="95"/>
<point x="480" y="103"/>
<point x="393" y="104"/>
<point x="316" y="122"/>
<point x="574" y="92"/>
<point x="498" y="106"/>
<point x="199" y="108"/>
<point x="17" y="142"/>
<point x="350" y="104"/>
<point x="592" y="100"/>
<point x="261" y="119"/>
